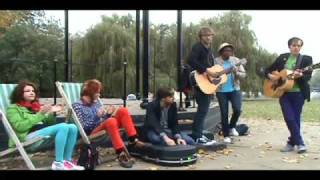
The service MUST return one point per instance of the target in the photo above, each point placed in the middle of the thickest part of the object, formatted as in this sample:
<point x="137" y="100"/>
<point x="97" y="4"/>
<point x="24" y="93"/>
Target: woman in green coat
<point x="29" y="120"/>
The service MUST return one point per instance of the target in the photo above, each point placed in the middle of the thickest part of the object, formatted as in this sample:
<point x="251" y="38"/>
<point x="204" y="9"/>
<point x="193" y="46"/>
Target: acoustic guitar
<point x="209" y="84"/>
<point x="284" y="83"/>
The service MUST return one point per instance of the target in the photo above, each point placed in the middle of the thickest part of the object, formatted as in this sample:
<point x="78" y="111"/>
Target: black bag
<point x="242" y="129"/>
<point x="88" y="157"/>
<point x="184" y="78"/>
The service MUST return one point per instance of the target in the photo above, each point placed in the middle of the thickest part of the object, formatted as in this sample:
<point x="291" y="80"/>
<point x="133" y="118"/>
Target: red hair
<point x="90" y="88"/>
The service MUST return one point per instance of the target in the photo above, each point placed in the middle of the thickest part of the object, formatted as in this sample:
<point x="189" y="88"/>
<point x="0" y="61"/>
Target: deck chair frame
<point x="83" y="134"/>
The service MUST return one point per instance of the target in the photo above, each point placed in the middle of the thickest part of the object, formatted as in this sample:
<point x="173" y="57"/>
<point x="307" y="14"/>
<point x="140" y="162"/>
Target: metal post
<point x="179" y="56"/>
<point x="55" y="61"/>
<point x="66" y="44"/>
<point x="145" y="58"/>
<point x="124" y="82"/>
<point x="70" y="65"/>
<point x="138" y="54"/>
<point x="154" y="68"/>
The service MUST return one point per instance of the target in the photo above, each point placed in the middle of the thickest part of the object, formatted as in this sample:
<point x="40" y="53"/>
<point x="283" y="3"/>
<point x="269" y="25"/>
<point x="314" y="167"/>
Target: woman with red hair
<point x="94" y="118"/>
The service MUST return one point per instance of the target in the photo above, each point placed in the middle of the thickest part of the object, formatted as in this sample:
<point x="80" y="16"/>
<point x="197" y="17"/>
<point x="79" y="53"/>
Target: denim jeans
<point x="203" y="101"/>
<point x="235" y="98"/>
<point x="155" y="138"/>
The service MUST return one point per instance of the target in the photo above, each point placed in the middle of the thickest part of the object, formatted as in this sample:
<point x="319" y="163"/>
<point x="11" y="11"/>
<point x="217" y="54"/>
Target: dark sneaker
<point x="125" y="160"/>
<point x="287" y="148"/>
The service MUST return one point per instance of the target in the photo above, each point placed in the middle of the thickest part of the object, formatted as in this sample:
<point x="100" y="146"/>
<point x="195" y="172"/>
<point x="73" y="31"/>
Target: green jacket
<point x="22" y="120"/>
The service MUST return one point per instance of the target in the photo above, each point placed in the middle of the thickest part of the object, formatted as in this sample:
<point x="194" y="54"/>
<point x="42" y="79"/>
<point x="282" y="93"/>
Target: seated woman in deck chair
<point x="30" y="120"/>
<point x="89" y="111"/>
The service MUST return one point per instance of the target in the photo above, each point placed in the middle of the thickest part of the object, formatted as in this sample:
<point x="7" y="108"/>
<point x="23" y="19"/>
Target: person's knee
<point x="63" y="127"/>
<point x="110" y="123"/>
<point x="153" y="138"/>
<point x="123" y="111"/>
<point x="73" y="128"/>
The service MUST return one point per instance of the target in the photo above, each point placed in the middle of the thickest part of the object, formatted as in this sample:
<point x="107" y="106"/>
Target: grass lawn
<point x="270" y="109"/>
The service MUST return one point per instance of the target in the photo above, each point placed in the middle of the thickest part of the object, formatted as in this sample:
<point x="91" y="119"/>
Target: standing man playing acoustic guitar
<point x="229" y="91"/>
<point x="200" y="59"/>
<point x="292" y="102"/>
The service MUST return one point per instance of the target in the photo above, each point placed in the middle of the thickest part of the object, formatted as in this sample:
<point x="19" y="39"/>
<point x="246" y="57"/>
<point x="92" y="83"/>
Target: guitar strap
<point x="299" y="61"/>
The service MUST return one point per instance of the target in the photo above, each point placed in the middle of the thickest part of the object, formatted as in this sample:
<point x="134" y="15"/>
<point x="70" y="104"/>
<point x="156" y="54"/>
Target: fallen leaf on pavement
<point x="287" y="160"/>
<point x="154" y="168"/>
<point x="201" y="151"/>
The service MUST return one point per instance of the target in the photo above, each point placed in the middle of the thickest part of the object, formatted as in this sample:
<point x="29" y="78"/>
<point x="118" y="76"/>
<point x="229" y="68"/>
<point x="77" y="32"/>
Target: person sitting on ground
<point x="94" y="117"/>
<point x="161" y="123"/>
<point x="30" y="120"/>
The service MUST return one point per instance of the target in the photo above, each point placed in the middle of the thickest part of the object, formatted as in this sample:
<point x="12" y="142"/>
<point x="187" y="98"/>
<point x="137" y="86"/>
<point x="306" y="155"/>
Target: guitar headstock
<point x="315" y="66"/>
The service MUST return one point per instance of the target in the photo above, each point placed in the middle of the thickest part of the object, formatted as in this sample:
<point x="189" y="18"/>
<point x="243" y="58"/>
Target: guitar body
<point x="277" y="89"/>
<point x="208" y="84"/>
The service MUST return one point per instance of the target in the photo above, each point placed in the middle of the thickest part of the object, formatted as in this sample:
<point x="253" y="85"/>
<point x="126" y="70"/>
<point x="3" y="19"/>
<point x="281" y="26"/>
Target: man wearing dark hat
<point x="229" y="91"/>
<point x="200" y="59"/>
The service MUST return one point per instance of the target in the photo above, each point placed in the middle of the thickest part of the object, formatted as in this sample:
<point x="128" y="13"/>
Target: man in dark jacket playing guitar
<point x="200" y="59"/>
<point x="291" y="102"/>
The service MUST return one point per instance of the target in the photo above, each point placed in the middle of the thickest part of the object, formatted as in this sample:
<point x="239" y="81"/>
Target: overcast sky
<point x="273" y="28"/>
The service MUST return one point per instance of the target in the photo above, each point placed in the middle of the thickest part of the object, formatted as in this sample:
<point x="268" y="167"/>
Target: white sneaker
<point x="227" y="140"/>
<point x="57" y="166"/>
<point x="71" y="166"/>
<point x="233" y="132"/>
<point x="204" y="142"/>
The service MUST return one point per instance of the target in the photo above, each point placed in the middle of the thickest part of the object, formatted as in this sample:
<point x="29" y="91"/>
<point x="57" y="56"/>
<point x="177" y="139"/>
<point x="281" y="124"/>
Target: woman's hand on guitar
<point x="235" y="69"/>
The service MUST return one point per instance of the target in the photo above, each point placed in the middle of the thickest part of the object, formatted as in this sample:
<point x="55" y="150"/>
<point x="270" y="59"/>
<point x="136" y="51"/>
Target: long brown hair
<point x="17" y="94"/>
<point x="90" y="88"/>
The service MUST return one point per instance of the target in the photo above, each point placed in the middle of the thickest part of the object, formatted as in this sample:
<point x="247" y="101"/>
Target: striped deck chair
<point x="5" y="92"/>
<point x="70" y="93"/>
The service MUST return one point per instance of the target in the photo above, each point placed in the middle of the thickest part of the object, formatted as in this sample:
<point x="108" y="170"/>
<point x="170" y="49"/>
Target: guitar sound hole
<point x="279" y="83"/>
<point x="216" y="81"/>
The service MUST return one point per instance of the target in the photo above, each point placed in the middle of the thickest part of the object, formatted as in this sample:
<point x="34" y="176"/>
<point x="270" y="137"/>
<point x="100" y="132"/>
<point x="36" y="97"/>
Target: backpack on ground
<point x="88" y="157"/>
<point x="242" y="129"/>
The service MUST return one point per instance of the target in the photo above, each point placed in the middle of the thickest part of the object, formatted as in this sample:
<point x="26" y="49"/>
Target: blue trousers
<point x="236" y="100"/>
<point x="65" y="136"/>
<point x="291" y="105"/>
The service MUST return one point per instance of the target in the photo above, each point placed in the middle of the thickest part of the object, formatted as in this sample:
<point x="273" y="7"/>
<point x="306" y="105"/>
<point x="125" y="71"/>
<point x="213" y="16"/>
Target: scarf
<point x="32" y="106"/>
